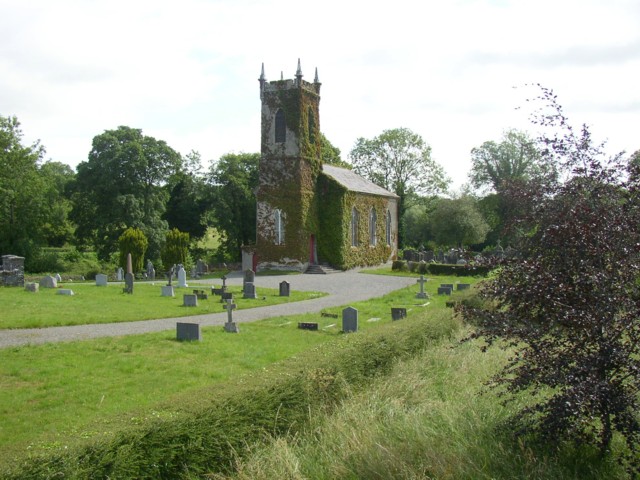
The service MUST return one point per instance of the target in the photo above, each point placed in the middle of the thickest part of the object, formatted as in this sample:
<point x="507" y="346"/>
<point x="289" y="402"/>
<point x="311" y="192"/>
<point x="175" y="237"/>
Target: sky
<point x="186" y="72"/>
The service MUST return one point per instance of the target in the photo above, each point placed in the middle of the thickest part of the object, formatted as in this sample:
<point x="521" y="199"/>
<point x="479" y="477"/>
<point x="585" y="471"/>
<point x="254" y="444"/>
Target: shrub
<point x="133" y="241"/>
<point x="399" y="265"/>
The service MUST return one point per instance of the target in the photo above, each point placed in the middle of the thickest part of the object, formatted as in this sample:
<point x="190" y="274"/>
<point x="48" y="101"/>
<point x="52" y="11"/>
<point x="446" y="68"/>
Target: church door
<point x="313" y="255"/>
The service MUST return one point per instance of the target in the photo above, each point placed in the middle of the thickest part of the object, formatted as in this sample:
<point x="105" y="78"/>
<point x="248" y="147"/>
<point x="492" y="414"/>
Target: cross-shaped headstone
<point x="230" y="306"/>
<point x="224" y="281"/>
<point x="421" y="293"/>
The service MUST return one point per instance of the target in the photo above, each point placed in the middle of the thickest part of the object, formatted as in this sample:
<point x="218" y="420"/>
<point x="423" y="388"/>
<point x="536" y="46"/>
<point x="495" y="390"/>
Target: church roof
<point x="355" y="182"/>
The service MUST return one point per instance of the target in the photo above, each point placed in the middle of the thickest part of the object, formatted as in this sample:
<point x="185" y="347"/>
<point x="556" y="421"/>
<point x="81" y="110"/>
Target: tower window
<point x="279" y="227"/>
<point x="354" y="227"/>
<point x="281" y="127"/>
<point x="372" y="226"/>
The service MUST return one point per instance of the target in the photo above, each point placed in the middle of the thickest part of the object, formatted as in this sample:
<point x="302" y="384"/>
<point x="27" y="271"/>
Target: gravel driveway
<point x="342" y="288"/>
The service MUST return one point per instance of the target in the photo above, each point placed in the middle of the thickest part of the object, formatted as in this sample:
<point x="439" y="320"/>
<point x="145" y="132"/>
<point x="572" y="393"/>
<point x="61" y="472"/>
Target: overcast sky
<point x="187" y="71"/>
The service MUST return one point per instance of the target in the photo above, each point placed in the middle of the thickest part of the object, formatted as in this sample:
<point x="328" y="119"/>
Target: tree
<point x="331" y="154"/>
<point x="23" y="210"/>
<point x="400" y="161"/>
<point x="58" y="229"/>
<point x="176" y="248"/>
<point x="458" y="222"/>
<point x="122" y="184"/>
<point x="234" y="179"/>
<point x="516" y="157"/>
<point x="570" y="306"/>
<point x="133" y="241"/>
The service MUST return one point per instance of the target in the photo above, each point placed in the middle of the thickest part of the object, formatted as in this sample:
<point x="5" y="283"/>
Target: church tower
<point x="290" y="162"/>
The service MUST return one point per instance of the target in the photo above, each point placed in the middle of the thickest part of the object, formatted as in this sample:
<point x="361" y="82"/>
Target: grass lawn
<point x="58" y="394"/>
<point x="91" y="304"/>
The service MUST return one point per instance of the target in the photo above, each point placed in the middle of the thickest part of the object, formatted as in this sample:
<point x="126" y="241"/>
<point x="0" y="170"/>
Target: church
<point x="311" y="215"/>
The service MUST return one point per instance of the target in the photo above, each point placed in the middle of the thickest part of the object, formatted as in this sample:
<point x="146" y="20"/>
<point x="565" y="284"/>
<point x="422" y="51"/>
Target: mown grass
<point x="91" y="304"/>
<point x="60" y="394"/>
<point x="431" y="418"/>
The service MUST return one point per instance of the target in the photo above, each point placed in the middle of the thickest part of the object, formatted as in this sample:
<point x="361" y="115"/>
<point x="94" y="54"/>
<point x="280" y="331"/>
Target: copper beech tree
<point x="569" y="304"/>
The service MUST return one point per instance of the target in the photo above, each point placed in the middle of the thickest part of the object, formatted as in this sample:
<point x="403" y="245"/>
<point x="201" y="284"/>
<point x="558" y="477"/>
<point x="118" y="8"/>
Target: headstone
<point x="170" y="274"/>
<point x="349" y="320"/>
<point x="31" y="287"/>
<point x="398" y="313"/>
<point x="167" y="291"/>
<point x="226" y="296"/>
<point x="128" y="283"/>
<point x="151" y="272"/>
<point x="119" y="274"/>
<point x="101" y="280"/>
<point x="49" y="282"/>
<point x="129" y="264"/>
<point x="444" y="290"/>
<point x="201" y="267"/>
<point x="249" y="290"/>
<point x="58" y="277"/>
<point x="224" y="281"/>
<point x="463" y="286"/>
<point x="422" y="293"/>
<point x="307" y="325"/>
<point x="190" y="300"/>
<point x="182" y="277"/>
<point x="447" y="285"/>
<point x="64" y="291"/>
<point x="249" y="276"/>
<point x="188" y="331"/>
<point x="217" y="291"/>
<point x="12" y="271"/>
<point x="201" y="294"/>
<point x="285" y="288"/>
<point x="230" y="326"/>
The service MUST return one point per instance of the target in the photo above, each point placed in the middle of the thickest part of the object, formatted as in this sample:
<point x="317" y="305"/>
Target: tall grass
<point x="431" y="418"/>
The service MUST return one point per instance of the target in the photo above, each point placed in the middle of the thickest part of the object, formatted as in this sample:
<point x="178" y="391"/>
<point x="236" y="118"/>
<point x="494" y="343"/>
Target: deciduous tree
<point x="458" y="222"/>
<point x="400" y="161"/>
<point x="569" y="307"/>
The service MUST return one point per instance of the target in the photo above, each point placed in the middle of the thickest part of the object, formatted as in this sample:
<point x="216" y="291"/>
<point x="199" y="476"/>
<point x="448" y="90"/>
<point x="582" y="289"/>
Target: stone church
<point x="310" y="214"/>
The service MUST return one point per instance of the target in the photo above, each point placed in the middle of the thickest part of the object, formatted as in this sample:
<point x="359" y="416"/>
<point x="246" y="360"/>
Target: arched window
<point x="281" y="127"/>
<point x="311" y="126"/>
<point x="279" y="226"/>
<point x="354" y="227"/>
<point x="372" y="226"/>
<point x="388" y="227"/>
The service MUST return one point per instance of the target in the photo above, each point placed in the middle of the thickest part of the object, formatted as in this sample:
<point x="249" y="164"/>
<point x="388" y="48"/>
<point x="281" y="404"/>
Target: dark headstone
<point x="217" y="291"/>
<point x="188" y="331"/>
<point x="285" y="288"/>
<point x="249" y="290"/>
<point x="128" y="282"/>
<point x="349" y="320"/>
<point x="398" y="313"/>
<point x="331" y="315"/>
<point x="307" y="326"/>
<point x="226" y="296"/>
<point x="444" y="290"/>
<point x="463" y="286"/>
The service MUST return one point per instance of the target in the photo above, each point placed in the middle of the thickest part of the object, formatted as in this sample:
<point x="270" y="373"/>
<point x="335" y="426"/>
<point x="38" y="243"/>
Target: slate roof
<point x="355" y="182"/>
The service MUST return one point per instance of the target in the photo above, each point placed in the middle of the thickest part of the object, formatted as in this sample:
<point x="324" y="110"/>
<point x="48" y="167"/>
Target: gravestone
<point x="182" y="277"/>
<point x="128" y="283"/>
<point x="151" y="272"/>
<point x="101" y="280"/>
<point x="217" y="291"/>
<point x="201" y="294"/>
<point x="307" y="325"/>
<point x="249" y="276"/>
<point x="48" y="282"/>
<point x="58" y="277"/>
<point x="349" y="320"/>
<point x="189" y="300"/>
<point x="249" y="290"/>
<point x="422" y="293"/>
<point x="12" y="271"/>
<point x="119" y="274"/>
<point x="444" y="290"/>
<point x="285" y="288"/>
<point x="230" y="326"/>
<point x="64" y="291"/>
<point x="188" y="331"/>
<point x="167" y="291"/>
<point x="398" y="313"/>
<point x="224" y="282"/>
<point x="201" y="267"/>
<point x="31" y="287"/>
<point x="447" y="285"/>
<point x="226" y="296"/>
<point x="463" y="286"/>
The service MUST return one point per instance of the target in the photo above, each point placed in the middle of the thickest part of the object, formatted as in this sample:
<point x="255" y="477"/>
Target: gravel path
<point x="343" y="288"/>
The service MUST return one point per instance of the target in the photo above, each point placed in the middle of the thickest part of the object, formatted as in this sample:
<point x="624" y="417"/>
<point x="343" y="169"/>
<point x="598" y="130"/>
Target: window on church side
<point x="279" y="226"/>
<point x="372" y="226"/>
<point x="281" y="127"/>
<point x="388" y="227"/>
<point x="311" y="126"/>
<point x="354" y="227"/>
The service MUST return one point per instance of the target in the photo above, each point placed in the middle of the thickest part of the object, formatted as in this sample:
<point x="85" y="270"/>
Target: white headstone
<point x="120" y="274"/>
<point x="58" y="277"/>
<point x="167" y="291"/>
<point x="64" y="291"/>
<point x="49" y="282"/>
<point x="101" y="280"/>
<point x="182" y="277"/>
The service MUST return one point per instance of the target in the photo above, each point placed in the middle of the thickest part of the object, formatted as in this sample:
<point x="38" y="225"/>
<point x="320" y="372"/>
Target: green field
<point x="91" y="304"/>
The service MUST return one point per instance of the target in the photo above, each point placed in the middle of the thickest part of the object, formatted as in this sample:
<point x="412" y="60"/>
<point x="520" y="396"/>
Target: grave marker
<point x="285" y="288"/>
<point x="307" y="325"/>
<point x="463" y="286"/>
<point x="188" y="331"/>
<point x="422" y="293"/>
<point x="101" y="280"/>
<point x="31" y="287"/>
<point x="189" y="300"/>
<point x="48" y="282"/>
<point x="349" y="320"/>
<point x="249" y="290"/>
<point x="230" y="326"/>
<point x="444" y="290"/>
<point x="182" y="277"/>
<point x="64" y="291"/>
<point x="398" y="313"/>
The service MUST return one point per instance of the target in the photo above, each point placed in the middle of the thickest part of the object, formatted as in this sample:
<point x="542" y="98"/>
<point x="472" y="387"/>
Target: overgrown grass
<point x="428" y="419"/>
<point x="91" y="304"/>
